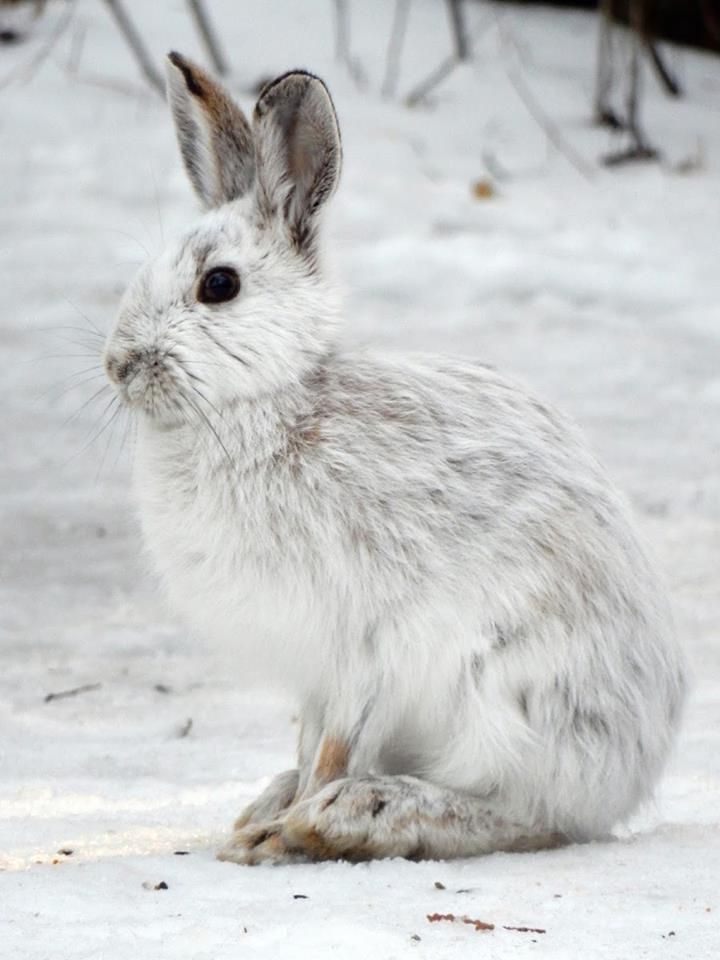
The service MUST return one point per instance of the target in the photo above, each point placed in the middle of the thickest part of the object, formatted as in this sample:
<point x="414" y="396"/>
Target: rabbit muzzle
<point x="145" y="380"/>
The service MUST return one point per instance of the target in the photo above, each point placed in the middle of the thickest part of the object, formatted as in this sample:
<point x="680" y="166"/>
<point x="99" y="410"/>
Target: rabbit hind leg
<point x="402" y="816"/>
<point x="388" y="816"/>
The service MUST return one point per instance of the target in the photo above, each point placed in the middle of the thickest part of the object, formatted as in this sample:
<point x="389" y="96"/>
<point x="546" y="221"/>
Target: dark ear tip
<point x="179" y="61"/>
<point x="301" y="79"/>
<point x="188" y="72"/>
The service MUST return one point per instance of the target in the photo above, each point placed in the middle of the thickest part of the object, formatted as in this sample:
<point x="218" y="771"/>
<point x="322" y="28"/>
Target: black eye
<point x="219" y="285"/>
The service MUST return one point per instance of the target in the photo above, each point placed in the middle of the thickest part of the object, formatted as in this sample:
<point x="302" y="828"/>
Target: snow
<point x="602" y="293"/>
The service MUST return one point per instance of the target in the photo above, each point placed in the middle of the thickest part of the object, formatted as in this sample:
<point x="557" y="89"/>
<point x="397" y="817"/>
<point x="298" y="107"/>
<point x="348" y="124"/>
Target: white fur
<point x="423" y="554"/>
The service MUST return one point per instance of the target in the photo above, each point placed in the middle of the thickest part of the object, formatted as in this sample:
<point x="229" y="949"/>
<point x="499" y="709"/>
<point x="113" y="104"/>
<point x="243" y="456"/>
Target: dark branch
<point x="134" y="41"/>
<point x="208" y="35"/>
<point x="670" y="82"/>
<point x="74" y="692"/>
<point x="459" y="29"/>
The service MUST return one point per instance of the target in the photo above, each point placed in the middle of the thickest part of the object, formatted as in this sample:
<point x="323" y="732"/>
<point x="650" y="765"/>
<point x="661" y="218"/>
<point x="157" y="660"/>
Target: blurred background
<point x="537" y="186"/>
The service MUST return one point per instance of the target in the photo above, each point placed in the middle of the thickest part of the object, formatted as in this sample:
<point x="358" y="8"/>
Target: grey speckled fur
<point x="424" y="554"/>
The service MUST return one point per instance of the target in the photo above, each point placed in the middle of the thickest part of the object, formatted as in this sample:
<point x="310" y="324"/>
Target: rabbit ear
<point x="215" y="139"/>
<point x="299" y="154"/>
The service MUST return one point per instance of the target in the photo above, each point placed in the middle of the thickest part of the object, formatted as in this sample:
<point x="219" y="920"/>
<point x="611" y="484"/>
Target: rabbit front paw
<point x="260" y="843"/>
<point x="310" y="830"/>
<point x="275" y="798"/>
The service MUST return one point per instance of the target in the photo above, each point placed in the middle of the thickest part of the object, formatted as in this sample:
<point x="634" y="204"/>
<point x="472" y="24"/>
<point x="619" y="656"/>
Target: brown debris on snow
<point x="478" y="924"/>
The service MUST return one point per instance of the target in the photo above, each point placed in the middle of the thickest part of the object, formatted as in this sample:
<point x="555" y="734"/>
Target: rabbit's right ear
<point x="215" y="139"/>
<point x="299" y="153"/>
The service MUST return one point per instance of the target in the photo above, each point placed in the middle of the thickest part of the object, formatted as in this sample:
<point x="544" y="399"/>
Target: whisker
<point x="111" y="423"/>
<point x="129" y="422"/>
<point x="73" y="416"/>
<point x="67" y="387"/>
<point x="87" y="319"/>
<point x="76" y="338"/>
<point x="60" y="356"/>
<point x="207" y="421"/>
<point x="96" y="436"/>
<point x="205" y="363"/>
<point x="107" y="408"/>
<point x="194" y="377"/>
<point x="88" y="332"/>
<point x="225" y="349"/>
<point x="95" y="368"/>
<point x="129" y="236"/>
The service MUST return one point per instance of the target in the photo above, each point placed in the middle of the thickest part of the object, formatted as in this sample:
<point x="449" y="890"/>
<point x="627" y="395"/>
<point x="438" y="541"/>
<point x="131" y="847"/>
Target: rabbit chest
<point x="230" y="550"/>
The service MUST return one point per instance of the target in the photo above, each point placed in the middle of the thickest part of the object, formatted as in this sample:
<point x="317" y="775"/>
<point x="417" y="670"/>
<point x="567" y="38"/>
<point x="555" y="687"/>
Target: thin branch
<point x="638" y="152"/>
<point x="443" y="70"/>
<point x="342" y="30"/>
<point x="633" y="92"/>
<point x="77" y="44"/>
<point x="110" y="83"/>
<point x="458" y="28"/>
<point x="74" y="692"/>
<point x="26" y="71"/>
<point x="552" y="131"/>
<point x="134" y="41"/>
<point x="604" y="75"/>
<point x="433" y="80"/>
<point x="185" y="729"/>
<point x="640" y="149"/>
<point x="208" y="35"/>
<point x="342" y="43"/>
<point x="670" y="82"/>
<point x="395" y="46"/>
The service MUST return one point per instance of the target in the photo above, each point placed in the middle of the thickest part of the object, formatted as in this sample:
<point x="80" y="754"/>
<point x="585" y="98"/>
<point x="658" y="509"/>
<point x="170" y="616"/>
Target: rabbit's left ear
<point x="215" y="139"/>
<point x="298" y="151"/>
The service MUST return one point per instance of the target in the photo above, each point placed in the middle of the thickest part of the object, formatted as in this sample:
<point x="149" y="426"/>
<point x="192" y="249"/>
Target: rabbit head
<point x="238" y="304"/>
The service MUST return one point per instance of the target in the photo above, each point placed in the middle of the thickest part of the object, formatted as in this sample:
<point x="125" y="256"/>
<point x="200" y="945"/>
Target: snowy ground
<point x="603" y="293"/>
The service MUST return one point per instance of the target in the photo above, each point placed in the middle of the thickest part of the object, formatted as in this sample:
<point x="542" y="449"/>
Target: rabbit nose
<point x="120" y="367"/>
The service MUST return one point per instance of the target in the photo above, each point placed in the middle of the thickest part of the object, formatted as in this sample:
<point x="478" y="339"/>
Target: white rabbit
<point x="423" y="553"/>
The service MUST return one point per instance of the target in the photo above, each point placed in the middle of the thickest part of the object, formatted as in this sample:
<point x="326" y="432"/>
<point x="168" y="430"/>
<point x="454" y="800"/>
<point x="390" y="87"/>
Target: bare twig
<point x="605" y="55"/>
<point x="342" y="43"/>
<point x="395" y="45"/>
<point x="74" y="692"/>
<point x="77" y="43"/>
<point x="423" y="88"/>
<point x="551" y="129"/>
<point x="479" y="925"/>
<point x="26" y="71"/>
<point x="637" y="152"/>
<point x="458" y="28"/>
<point x="134" y="41"/>
<point x="342" y="30"/>
<point x="640" y="42"/>
<point x="634" y="83"/>
<point x="668" y="80"/>
<point x="110" y="83"/>
<point x="186" y="728"/>
<point x="640" y="149"/>
<point x="494" y="167"/>
<point x="446" y="67"/>
<point x="208" y="35"/>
